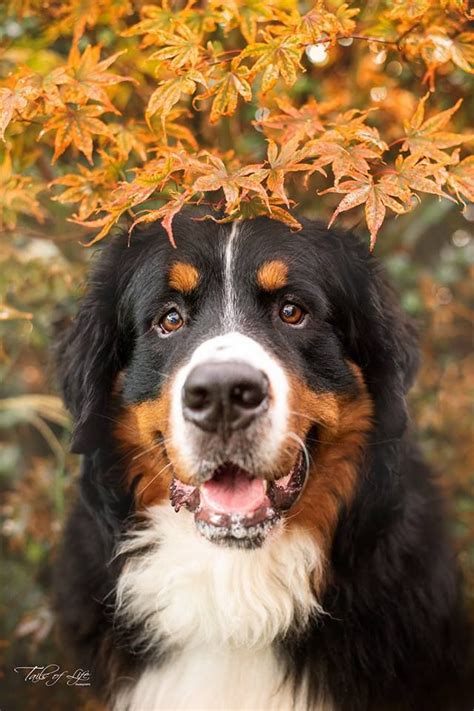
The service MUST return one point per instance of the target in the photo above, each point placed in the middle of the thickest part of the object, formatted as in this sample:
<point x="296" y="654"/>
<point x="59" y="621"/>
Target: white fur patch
<point x="193" y="592"/>
<point x="213" y="679"/>
<point x="230" y="305"/>
<point x="217" y="610"/>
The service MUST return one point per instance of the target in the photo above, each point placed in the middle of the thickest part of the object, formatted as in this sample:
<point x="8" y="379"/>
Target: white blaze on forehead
<point x="235" y="347"/>
<point x="230" y="301"/>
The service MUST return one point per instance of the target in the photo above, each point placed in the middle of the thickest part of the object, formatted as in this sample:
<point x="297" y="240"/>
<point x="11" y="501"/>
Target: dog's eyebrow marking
<point x="183" y="277"/>
<point x="272" y="275"/>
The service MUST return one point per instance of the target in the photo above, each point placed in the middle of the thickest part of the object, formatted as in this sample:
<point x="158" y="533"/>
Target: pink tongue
<point x="231" y="491"/>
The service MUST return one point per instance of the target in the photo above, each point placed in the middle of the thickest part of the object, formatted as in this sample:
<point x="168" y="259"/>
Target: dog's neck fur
<point x="216" y="609"/>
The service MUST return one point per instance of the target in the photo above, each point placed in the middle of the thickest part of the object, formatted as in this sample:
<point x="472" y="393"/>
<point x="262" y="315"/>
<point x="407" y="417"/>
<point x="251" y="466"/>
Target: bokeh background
<point x="428" y="252"/>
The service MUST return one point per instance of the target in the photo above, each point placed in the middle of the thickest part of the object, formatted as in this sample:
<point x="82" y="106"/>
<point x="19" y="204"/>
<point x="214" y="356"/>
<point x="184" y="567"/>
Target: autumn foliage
<point x="128" y="111"/>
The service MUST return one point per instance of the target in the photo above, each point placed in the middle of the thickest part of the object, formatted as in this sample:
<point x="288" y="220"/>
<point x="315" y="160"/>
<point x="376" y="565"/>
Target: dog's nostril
<point x="196" y="397"/>
<point x="249" y="395"/>
<point x="226" y="396"/>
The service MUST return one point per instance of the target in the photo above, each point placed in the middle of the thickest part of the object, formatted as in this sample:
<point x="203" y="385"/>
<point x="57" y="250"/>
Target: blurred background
<point x="428" y="252"/>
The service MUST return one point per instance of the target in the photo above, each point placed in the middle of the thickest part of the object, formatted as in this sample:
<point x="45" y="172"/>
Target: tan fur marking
<point x="344" y="424"/>
<point x="272" y="275"/>
<point x="183" y="277"/>
<point x="138" y="433"/>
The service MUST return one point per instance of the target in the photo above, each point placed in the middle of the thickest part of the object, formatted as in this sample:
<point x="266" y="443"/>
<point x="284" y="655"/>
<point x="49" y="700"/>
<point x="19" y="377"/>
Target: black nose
<point x="224" y="396"/>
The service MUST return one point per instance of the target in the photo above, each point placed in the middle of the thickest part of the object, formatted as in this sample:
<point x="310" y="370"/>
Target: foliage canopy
<point x="128" y="110"/>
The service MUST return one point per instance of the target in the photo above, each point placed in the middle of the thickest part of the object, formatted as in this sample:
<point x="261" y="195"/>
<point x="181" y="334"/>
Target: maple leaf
<point x="250" y="13"/>
<point x="159" y="21"/>
<point x="251" y="207"/>
<point x="226" y="92"/>
<point x="15" y="101"/>
<point x="408" y="10"/>
<point x="169" y="93"/>
<point x="129" y="137"/>
<point x="235" y="185"/>
<point x="155" y="22"/>
<point x="172" y="126"/>
<point x="148" y="180"/>
<point x="462" y="51"/>
<point x="88" y="188"/>
<point x="10" y="103"/>
<point x="376" y="197"/>
<point x="165" y="214"/>
<point x="17" y="195"/>
<point x="425" y="138"/>
<point x="183" y="48"/>
<point x="319" y="23"/>
<point x="416" y="174"/>
<point x="276" y="56"/>
<point x="286" y="160"/>
<point x="75" y="126"/>
<point x="85" y="77"/>
<point x="349" y="160"/>
<point x="461" y="180"/>
<point x="76" y="15"/>
<point x="303" y="122"/>
<point x="436" y="47"/>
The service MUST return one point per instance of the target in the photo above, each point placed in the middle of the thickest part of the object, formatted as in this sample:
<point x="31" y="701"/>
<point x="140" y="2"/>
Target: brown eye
<point x="171" y="321"/>
<point x="292" y="314"/>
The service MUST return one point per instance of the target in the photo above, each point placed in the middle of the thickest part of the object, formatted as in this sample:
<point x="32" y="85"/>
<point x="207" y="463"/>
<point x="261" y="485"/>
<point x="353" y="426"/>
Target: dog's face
<point x="239" y="385"/>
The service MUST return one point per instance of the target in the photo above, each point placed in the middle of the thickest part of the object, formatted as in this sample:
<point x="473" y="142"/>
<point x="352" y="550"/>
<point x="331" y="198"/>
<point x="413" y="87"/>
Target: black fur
<point x="395" y="636"/>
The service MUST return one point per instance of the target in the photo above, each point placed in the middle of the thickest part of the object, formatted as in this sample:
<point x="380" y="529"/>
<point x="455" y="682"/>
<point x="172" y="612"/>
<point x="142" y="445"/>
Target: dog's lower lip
<point x="221" y="514"/>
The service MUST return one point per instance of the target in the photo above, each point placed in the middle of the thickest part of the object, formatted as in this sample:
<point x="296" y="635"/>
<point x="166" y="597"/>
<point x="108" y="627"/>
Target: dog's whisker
<point x="153" y="448"/>
<point x="167" y="466"/>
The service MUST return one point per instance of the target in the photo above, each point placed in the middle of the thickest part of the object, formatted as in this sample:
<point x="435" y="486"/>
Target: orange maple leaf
<point x="235" y="185"/>
<point x="75" y="126"/>
<point x="226" y="92"/>
<point x="85" y="77"/>
<point x="425" y="137"/>
<point x="288" y="159"/>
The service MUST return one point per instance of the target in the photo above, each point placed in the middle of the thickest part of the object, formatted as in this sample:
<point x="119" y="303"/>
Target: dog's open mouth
<point x="234" y="506"/>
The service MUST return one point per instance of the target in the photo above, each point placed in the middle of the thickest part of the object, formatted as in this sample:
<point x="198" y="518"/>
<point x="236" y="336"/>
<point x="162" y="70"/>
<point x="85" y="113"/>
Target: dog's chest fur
<point x="216" y="612"/>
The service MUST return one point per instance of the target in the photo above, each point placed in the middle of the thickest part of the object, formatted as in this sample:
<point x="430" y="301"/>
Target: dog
<point x="255" y="527"/>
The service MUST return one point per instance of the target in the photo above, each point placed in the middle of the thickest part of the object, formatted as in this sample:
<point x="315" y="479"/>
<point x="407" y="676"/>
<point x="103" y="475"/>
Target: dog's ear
<point x="389" y="349"/>
<point x="378" y="336"/>
<point x="384" y="342"/>
<point x="90" y="354"/>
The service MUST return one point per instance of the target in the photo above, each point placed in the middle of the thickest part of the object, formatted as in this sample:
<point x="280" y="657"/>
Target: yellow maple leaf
<point x="169" y="93"/>
<point x="461" y="180"/>
<point x="181" y="49"/>
<point x="275" y="57"/>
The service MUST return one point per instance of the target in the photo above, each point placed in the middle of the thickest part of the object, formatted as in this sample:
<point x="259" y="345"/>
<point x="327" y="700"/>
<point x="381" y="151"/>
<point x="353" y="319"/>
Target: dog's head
<point x="242" y="373"/>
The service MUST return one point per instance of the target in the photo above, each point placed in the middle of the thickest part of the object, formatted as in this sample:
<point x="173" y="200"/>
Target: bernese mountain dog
<point x="255" y="528"/>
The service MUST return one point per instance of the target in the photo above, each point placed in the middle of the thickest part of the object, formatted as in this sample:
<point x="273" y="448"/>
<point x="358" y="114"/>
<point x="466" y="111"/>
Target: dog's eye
<point x="171" y="321"/>
<point x="292" y="314"/>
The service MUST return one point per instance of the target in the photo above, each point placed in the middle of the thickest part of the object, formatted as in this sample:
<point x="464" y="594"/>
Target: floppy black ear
<point x="378" y="336"/>
<point x="384" y="342"/>
<point x="90" y="354"/>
